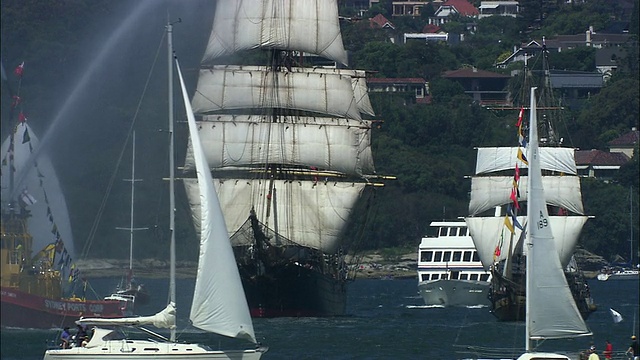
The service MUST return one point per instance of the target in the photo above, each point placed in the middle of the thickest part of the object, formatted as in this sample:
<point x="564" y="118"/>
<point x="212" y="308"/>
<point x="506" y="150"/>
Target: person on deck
<point x="633" y="351"/>
<point x="81" y="335"/>
<point x="592" y="353"/>
<point x="608" y="350"/>
<point x="66" y="338"/>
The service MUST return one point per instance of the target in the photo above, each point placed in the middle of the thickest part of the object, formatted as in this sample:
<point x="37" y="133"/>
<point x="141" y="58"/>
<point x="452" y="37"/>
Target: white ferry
<point x="449" y="270"/>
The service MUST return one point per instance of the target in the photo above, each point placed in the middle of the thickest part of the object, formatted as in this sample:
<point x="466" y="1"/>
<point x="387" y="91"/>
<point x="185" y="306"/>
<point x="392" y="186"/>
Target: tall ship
<point x="289" y="150"/>
<point x="497" y="208"/>
<point x="449" y="269"/>
<point x="41" y="287"/>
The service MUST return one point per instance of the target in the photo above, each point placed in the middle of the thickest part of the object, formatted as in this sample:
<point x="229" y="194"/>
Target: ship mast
<point x="172" y="199"/>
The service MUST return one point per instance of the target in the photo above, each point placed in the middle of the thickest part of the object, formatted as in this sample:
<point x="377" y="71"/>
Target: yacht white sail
<point x="219" y="305"/>
<point x="289" y="150"/>
<point x="551" y="312"/>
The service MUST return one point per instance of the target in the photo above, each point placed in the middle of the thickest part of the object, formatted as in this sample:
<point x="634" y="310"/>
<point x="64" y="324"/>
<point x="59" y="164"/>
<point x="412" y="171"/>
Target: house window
<point x="419" y="92"/>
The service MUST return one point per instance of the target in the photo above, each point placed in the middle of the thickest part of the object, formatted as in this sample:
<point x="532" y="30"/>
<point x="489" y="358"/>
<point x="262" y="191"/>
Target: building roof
<point x="628" y="139"/>
<point x="599" y="157"/>
<point x="473" y="73"/>
<point x="419" y="81"/>
<point x="609" y="56"/>
<point x="431" y="29"/>
<point x="381" y="21"/>
<point x="463" y="7"/>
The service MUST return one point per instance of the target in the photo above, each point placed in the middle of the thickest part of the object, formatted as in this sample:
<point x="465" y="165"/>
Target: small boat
<point x="449" y="270"/>
<point x="129" y="289"/>
<point x="620" y="274"/>
<point x="551" y="312"/>
<point x="219" y="305"/>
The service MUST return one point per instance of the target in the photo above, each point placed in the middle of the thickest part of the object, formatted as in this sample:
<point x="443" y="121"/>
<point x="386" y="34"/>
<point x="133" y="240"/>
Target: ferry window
<point x="444" y="276"/>
<point x="467" y="256"/>
<point x="484" y="277"/>
<point x="464" y="276"/>
<point x="475" y="256"/>
<point x="464" y="232"/>
<point x="473" y="277"/>
<point x="435" y="276"/>
<point x="438" y="256"/>
<point x="425" y="277"/>
<point x="447" y="256"/>
<point x="426" y="256"/>
<point x="457" y="255"/>
<point x="455" y="275"/>
<point x="443" y="231"/>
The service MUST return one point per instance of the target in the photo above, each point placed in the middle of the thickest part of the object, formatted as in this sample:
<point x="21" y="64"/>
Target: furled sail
<point x="551" y="311"/>
<point x="334" y="144"/>
<point x="313" y="213"/>
<point x="487" y="192"/>
<point x="223" y="88"/>
<point x="303" y="25"/>
<point x="219" y="304"/>
<point x="486" y="233"/>
<point x="165" y="319"/>
<point x="557" y="159"/>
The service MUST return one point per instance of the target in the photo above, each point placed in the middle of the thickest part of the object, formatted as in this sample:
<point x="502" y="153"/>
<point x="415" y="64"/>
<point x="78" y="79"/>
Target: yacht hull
<point x="25" y="310"/>
<point x="454" y="292"/>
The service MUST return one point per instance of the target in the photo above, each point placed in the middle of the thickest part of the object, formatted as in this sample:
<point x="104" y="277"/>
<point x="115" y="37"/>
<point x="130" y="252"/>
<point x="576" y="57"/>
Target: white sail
<point x="302" y="25"/>
<point x="225" y="87"/>
<point x="312" y="214"/>
<point x="165" y="319"/>
<point x="551" y="311"/>
<point x="358" y="83"/>
<point x="487" y="192"/>
<point x="493" y="159"/>
<point x="219" y="304"/>
<point x="42" y="184"/>
<point x="335" y="144"/>
<point x="487" y="233"/>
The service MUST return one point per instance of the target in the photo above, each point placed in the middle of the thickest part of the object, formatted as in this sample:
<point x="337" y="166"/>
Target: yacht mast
<point x="172" y="199"/>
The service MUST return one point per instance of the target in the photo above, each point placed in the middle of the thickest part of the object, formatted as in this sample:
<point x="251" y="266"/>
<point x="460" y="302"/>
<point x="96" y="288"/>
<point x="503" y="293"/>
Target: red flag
<point x="21" y="117"/>
<point x="520" y="117"/>
<point x="18" y="71"/>
<point x="514" y="198"/>
<point x="516" y="176"/>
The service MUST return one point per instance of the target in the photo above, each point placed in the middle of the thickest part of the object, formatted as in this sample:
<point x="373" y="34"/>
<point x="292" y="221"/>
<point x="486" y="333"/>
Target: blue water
<point x="386" y="320"/>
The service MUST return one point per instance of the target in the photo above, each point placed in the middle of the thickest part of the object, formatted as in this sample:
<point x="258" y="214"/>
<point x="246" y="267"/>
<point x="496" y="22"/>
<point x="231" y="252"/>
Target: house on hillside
<point x="575" y="87"/>
<point x="453" y="8"/>
<point x="625" y="143"/>
<point x="381" y="22"/>
<point x="608" y="59"/>
<point x="599" y="164"/>
<point x="498" y="8"/>
<point x="416" y="88"/>
<point x="485" y="87"/>
<point x="410" y="7"/>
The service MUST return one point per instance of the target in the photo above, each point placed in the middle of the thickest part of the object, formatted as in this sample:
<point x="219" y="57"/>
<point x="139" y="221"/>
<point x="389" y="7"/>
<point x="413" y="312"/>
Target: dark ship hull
<point x="508" y="296"/>
<point x="289" y="279"/>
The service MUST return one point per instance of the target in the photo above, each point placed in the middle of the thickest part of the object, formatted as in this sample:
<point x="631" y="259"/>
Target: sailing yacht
<point x="129" y="290"/>
<point x="289" y="150"/>
<point x="219" y="305"/>
<point x="551" y="312"/>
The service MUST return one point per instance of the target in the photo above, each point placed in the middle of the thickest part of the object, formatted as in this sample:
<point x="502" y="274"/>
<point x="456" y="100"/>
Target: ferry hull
<point x="24" y="310"/>
<point x="454" y="292"/>
<point x="291" y="290"/>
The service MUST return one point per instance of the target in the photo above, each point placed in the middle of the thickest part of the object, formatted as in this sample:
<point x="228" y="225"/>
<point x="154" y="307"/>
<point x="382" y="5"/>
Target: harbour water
<point x="385" y="320"/>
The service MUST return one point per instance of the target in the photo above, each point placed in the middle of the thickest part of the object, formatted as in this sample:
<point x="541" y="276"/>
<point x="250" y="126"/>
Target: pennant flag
<point x="59" y="245"/>
<point x="516" y="175"/>
<point x="520" y="117"/>
<point x="19" y="70"/>
<point x="516" y="223"/>
<point x="521" y="157"/>
<point x="73" y="267"/>
<point x="616" y="316"/>
<point x="514" y="198"/>
<point x="507" y="223"/>
<point x="26" y="138"/>
<point x="496" y="252"/>
<point x="16" y="101"/>
<point x="22" y="118"/>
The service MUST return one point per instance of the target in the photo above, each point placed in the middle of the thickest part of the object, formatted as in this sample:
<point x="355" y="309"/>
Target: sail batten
<point x="303" y="25"/>
<point x="334" y="144"/>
